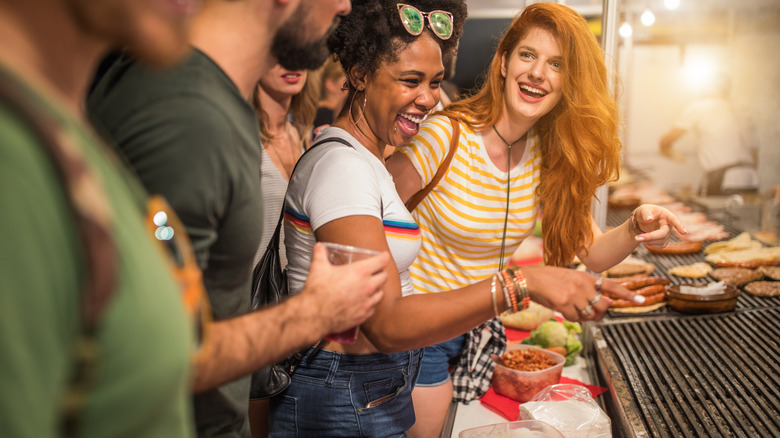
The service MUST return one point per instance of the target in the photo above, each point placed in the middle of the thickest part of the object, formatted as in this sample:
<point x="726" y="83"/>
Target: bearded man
<point x="191" y="135"/>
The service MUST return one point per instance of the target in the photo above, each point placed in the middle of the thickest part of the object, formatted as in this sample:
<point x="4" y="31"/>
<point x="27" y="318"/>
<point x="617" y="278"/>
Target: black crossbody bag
<point x="269" y="287"/>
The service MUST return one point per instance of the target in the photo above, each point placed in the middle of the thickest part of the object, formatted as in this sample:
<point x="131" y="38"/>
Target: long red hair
<point x="580" y="145"/>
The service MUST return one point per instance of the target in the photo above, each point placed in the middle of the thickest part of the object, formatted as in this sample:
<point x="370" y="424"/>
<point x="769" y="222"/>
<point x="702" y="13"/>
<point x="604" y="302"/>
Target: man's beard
<point x="294" y="54"/>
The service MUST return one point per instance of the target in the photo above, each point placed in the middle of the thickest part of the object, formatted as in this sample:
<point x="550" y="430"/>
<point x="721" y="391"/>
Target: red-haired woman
<point x="542" y="132"/>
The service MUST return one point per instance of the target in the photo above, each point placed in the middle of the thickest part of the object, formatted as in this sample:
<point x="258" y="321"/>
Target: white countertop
<point x="475" y="414"/>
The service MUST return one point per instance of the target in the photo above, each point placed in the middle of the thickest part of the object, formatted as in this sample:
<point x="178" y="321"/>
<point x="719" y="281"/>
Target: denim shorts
<point x="355" y="395"/>
<point x="435" y="368"/>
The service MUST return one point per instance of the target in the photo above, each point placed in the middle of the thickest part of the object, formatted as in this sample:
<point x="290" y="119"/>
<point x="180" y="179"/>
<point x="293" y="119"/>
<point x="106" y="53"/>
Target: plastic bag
<point x="570" y="409"/>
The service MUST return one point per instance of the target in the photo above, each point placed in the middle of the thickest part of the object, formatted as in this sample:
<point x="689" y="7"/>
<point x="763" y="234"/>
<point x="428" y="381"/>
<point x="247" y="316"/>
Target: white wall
<point x="654" y="93"/>
<point x="756" y="92"/>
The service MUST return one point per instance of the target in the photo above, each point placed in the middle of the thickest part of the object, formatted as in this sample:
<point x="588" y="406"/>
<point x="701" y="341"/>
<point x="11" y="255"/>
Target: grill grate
<point x="704" y="376"/>
<point x="747" y="301"/>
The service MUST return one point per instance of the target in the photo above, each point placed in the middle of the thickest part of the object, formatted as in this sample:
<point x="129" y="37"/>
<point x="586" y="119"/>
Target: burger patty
<point x="737" y="276"/>
<point x="764" y="288"/>
<point x="772" y="272"/>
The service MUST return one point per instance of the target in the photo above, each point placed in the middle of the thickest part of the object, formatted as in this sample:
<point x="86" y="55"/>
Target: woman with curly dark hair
<point x="543" y="130"/>
<point x="341" y="192"/>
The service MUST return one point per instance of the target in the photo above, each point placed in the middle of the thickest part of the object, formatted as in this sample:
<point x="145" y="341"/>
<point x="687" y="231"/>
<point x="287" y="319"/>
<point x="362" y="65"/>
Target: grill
<point x="663" y="262"/>
<point x="696" y="376"/>
<point x="677" y="375"/>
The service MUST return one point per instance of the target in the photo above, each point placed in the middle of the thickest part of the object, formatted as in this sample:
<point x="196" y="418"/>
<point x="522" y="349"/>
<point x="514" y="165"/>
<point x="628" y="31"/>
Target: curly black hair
<point x="373" y="33"/>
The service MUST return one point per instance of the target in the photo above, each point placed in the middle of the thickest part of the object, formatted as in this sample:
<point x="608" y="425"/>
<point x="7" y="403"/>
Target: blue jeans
<point x="354" y="395"/>
<point x="435" y="367"/>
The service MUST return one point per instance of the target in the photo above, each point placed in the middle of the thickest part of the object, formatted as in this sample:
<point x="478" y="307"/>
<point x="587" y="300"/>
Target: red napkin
<point x="513" y="335"/>
<point x="509" y="409"/>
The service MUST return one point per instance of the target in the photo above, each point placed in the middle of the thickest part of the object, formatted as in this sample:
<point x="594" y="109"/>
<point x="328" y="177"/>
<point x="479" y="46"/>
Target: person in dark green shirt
<point x="191" y="135"/>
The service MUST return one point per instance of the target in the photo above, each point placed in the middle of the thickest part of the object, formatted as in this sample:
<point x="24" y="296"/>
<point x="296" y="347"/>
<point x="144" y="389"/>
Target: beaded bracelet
<point x="518" y="288"/>
<point x="633" y="225"/>
<point x="507" y="300"/>
<point x="493" y="295"/>
<point x="512" y="291"/>
<point x="521" y="286"/>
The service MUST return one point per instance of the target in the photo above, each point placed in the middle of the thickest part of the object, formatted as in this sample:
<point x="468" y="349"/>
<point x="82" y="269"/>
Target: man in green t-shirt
<point x="142" y="377"/>
<point x="142" y="367"/>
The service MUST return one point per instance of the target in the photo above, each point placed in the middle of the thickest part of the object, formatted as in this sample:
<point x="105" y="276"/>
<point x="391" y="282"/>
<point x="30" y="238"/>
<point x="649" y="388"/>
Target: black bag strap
<point x="274" y="242"/>
<point x="88" y="203"/>
<point x="416" y="198"/>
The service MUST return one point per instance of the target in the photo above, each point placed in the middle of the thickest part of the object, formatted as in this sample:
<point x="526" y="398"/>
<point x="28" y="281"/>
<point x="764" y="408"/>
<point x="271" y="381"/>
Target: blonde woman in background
<point x="285" y="102"/>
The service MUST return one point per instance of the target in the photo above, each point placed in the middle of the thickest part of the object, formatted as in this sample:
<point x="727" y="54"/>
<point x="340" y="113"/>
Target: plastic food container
<point x="513" y="429"/>
<point x="719" y="302"/>
<point x="523" y="385"/>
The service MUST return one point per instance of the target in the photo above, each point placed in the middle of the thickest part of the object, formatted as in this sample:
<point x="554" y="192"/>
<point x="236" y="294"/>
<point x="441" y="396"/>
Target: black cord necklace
<point x="508" y="168"/>
<point x="509" y="145"/>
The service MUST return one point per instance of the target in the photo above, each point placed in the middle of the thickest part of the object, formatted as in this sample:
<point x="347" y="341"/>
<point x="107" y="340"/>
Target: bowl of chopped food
<point x="513" y="429"/>
<point x="708" y="298"/>
<point x="524" y="370"/>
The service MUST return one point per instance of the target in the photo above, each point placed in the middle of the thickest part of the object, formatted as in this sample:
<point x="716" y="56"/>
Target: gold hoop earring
<point x="362" y="110"/>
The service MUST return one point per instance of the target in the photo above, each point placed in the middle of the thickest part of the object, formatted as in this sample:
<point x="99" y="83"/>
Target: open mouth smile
<point x="410" y="123"/>
<point x="531" y="91"/>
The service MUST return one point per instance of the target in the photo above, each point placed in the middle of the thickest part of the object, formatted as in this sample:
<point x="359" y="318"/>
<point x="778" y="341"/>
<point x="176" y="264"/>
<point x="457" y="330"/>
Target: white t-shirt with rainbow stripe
<point x="333" y="181"/>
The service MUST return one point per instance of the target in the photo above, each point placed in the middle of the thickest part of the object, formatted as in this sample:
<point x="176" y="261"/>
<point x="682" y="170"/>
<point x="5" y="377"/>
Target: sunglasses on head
<point x="440" y="22"/>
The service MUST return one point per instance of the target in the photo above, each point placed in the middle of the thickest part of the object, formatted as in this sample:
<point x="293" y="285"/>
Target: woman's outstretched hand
<point x="653" y="225"/>
<point x="578" y="296"/>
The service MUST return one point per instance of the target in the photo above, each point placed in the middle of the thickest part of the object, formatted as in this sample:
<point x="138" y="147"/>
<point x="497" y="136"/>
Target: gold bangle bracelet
<point x="493" y="295"/>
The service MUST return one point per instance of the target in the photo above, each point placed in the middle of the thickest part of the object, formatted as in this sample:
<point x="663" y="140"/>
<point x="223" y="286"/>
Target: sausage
<point x="649" y="291"/>
<point x="652" y="299"/>
<point x="646" y="291"/>
<point x="636" y="283"/>
<point x="677" y="248"/>
<point x="632" y="278"/>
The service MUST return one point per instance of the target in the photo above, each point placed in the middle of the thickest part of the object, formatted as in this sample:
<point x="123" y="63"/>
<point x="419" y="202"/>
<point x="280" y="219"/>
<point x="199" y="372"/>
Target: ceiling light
<point x="647" y="18"/>
<point x="672" y="4"/>
<point x="625" y="30"/>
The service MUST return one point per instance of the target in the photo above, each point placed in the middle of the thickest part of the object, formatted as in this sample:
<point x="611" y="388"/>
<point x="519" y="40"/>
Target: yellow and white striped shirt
<point x="462" y="218"/>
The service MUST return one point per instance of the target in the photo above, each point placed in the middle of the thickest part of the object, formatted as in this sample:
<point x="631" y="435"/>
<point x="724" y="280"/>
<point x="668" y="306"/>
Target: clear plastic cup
<point x="341" y="255"/>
